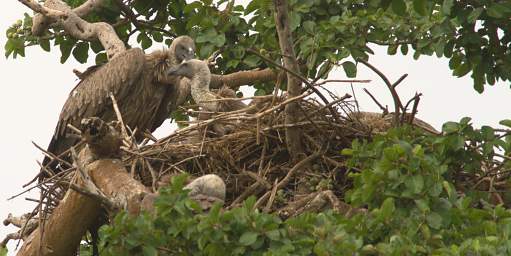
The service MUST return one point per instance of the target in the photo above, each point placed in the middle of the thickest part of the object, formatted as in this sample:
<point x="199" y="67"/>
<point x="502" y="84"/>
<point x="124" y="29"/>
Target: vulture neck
<point x="200" y="90"/>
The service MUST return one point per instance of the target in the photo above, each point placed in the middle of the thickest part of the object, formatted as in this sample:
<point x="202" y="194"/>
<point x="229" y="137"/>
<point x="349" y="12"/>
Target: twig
<point x="288" y="176"/>
<point x="396" y="83"/>
<point x="397" y="101"/>
<point x="384" y="109"/>
<point x="303" y="79"/>
<point x="269" y="204"/>
<point x="342" y="81"/>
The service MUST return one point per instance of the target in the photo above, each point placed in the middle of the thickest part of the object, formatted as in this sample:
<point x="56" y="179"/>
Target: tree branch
<point x="59" y="12"/>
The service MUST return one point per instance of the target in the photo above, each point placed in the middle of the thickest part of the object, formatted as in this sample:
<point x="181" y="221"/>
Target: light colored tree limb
<point x="57" y="11"/>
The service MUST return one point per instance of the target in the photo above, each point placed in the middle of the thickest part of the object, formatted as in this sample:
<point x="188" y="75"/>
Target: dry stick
<point x="288" y="176"/>
<point x="178" y="163"/>
<point x="119" y="116"/>
<point x="306" y="82"/>
<point x="32" y="214"/>
<point x="154" y="175"/>
<point x="74" y="129"/>
<point x="237" y="117"/>
<point x="355" y="98"/>
<point x="384" y="109"/>
<point x="397" y="101"/>
<point x="50" y="155"/>
<point x="332" y="103"/>
<point x="41" y="224"/>
<point x="342" y="81"/>
<point x="414" y="108"/>
<point x="52" y="160"/>
<point x="269" y="204"/>
<point x="396" y="83"/>
<point x="257" y="178"/>
<point x="237" y="99"/>
<point x="412" y="100"/>
<point x="39" y="184"/>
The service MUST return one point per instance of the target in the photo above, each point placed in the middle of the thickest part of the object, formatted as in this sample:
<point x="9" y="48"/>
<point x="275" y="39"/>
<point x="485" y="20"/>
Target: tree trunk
<point x="294" y="88"/>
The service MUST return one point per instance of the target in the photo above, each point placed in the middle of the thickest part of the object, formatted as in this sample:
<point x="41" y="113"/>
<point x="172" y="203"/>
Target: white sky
<point x="33" y="90"/>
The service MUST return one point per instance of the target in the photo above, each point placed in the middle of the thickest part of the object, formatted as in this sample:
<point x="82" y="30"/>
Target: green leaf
<point x="399" y="7"/>
<point x="308" y="26"/>
<point x="474" y="15"/>
<point x="420" y="6"/>
<point x="251" y="61"/>
<point x="450" y="127"/>
<point x="149" y="251"/>
<point x="45" y="44"/>
<point x="422" y="205"/>
<point x="294" y="20"/>
<point x="347" y="152"/>
<point x="273" y="234"/>
<point x="387" y="208"/>
<point x="101" y="58"/>
<point x="434" y="220"/>
<point x="506" y="122"/>
<point x="392" y="49"/>
<point x="206" y="50"/>
<point x="415" y="183"/>
<point x="462" y="69"/>
<point x="260" y="92"/>
<point x="248" y="238"/>
<point x="157" y="36"/>
<point x="447" y="6"/>
<point x="498" y="11"/>
<point x="65" y="49"/>
<point x="3" y="251"/>
<point x="219" y="40"/>
<point x="350" y="69"/>
<point x="81" y="52"/>
<point x="404" y="49"/>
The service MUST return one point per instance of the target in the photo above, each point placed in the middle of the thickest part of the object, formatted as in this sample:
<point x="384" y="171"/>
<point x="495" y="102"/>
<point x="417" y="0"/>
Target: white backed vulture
<point x="132" y="78"/>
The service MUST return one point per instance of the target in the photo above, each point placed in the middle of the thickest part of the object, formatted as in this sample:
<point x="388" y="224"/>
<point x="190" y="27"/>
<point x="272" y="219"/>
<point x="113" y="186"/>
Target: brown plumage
<point x="132" y="77"/>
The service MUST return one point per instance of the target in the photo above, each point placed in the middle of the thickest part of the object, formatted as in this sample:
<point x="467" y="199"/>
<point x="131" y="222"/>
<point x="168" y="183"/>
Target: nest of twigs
<point x="252" y="157"/>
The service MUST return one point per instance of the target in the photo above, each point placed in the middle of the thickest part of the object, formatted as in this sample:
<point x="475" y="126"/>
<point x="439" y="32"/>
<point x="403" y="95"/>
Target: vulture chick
<point x="199" y="76"/>
<point x="132" y="78"/>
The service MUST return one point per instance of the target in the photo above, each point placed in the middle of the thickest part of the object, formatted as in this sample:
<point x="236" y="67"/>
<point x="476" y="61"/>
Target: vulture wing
<point x="91" y="97"/>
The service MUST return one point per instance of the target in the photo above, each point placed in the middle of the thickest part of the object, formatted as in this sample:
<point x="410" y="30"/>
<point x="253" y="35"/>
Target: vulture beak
<point x="189" y="54"/>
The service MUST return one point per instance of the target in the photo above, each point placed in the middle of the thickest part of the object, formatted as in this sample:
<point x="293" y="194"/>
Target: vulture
<point x="132" y="78"/>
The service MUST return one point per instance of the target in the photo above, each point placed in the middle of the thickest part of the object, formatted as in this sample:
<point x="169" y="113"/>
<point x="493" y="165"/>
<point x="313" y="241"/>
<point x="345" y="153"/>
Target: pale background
<point x="33" y="90"/>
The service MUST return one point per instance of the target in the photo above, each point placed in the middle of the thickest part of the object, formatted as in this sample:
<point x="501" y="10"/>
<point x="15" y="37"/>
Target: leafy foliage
<point x="408" y="181"/>
<point x="474" y="35"/>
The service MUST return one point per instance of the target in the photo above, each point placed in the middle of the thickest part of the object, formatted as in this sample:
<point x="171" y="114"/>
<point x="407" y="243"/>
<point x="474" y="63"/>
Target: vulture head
<point x="192" y="69"/>
<point x="183" y="48"/>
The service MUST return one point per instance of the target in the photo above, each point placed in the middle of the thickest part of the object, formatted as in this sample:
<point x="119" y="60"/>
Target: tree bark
<point x="294" y="88"/>
<point x="65" y="227"/>
<point x="57" y="11"/>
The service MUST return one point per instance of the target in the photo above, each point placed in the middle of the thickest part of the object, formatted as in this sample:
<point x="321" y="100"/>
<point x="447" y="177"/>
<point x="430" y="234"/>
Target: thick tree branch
<point x="240" y="78"/>
<point x="57" y="11"/>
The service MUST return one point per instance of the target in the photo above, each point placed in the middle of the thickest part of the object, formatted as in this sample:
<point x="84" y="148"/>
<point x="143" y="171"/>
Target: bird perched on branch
<point x="133" y="78"/>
